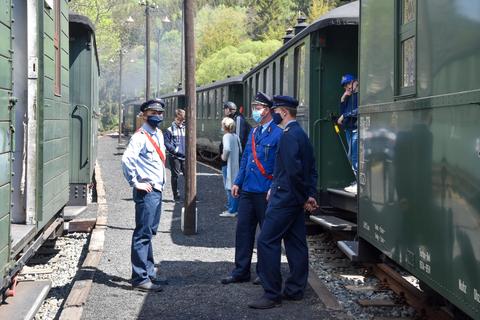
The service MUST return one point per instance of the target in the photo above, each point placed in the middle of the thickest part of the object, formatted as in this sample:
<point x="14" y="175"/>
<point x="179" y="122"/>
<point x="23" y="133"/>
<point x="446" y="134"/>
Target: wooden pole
<point x="190" y="205"/>
<point x="120" y="95"/>
<point x="147" y="49"/>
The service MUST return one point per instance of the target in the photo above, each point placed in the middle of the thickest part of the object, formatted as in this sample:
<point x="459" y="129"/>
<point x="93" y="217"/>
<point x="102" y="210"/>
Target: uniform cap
<point x="229" y="105"/>
<point x="346" y="79"/>
<point x="284" y="101"/>
<point x="154" y="104"/>
<point x="262" y="98"/>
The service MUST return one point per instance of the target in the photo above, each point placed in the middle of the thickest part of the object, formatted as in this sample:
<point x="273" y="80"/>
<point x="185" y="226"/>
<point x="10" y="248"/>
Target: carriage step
<point x="334" y="223"/>
<point x="71" y="212"/>
<point x="29" y="296"/>
<point x="343" y="200"/>
<point x="350" y="249"/>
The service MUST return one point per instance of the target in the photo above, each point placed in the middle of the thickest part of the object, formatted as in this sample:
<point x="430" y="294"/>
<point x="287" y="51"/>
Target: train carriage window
<point x="198" y="105"/>
<point x="219" y="103"/>
<point x="265" y="80"/>
<point x="57" y="48"/>
<point x="274" y="79"/>
<point x="299" y="74"/>
<point x="406" y="56"/>
<point x="257" y="83"/>
<point x="213" y="100"/>
<point x="205" y="104"/>
<point x="284" y="74"/>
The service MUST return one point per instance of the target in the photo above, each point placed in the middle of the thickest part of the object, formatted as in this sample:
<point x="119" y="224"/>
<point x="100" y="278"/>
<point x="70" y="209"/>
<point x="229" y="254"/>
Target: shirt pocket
<point x="150" y="153"/>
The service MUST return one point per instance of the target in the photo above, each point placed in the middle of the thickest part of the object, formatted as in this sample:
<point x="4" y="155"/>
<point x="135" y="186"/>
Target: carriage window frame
<point x="274" y="78"/>
<point x="406" y="35"/>
<point x="284" y="75"/>
<point x="57" y="11"/>
<point x="299" y="75"/>
<point x="265" y="79"/>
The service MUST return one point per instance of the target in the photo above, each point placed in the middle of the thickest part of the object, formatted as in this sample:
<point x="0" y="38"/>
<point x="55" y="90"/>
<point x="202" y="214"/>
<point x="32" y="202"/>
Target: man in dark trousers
<point x="253" y="179"/>
<point x="348" y="120"/>
<point x="143" y="165"/>
<point x="175" y="144"/>
<point x="242" y="128"/>
<point x="292" y="191"/>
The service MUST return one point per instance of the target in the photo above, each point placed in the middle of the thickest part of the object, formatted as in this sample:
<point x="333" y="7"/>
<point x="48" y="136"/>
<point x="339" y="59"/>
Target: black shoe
<point x="264" y="303"/>
<point x="159" y="280"/>
<point x="147" y="287"/>
<point x="291" y="298"/>
<point x="257" y="281"/>
<point x="231" y="279"/>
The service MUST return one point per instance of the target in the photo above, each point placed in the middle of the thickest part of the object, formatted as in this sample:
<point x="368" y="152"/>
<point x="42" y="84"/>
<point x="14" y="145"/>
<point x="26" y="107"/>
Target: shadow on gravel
<point x="195" y="292"/>
<point x="213" y="231"/>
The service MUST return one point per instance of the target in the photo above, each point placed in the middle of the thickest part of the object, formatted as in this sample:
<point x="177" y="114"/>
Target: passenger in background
<point x="242" y="127"/>
<point x="143" y="165"/>
<point x="348" y="120"/>
<point x="231" y="154"/>
<point x="292" y="191"/>
<point x="251" y="185"/>
<point x="175" y="144"/>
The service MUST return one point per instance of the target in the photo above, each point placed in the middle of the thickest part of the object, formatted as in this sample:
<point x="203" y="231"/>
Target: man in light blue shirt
<point x="143" y="165"/>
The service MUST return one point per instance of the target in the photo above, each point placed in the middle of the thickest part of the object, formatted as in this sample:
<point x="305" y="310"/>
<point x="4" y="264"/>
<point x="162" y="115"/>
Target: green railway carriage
<point x="84" y="74"/>
<point x="130" y="112"/>
<point x="420" y="141"/>
<point x="210" y="99"/>
<point x="34" y="127"/>
<point x="309" y="67"/>
<point x="34" y="115"/>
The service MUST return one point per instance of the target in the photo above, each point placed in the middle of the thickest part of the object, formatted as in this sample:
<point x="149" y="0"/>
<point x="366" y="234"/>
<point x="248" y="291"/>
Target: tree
<point x="268" y="19"/>
<point x="232" y="61"/>
<point x="217" y="28"/>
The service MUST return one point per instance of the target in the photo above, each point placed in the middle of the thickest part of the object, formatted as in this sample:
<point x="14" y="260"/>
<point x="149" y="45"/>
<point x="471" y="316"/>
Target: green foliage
<point x="270" y="18"/>
<point x="219" y="27"/>
<point x="232" y="61"/>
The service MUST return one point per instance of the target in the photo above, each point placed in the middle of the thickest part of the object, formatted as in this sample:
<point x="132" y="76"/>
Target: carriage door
<point x="6" y="117"/>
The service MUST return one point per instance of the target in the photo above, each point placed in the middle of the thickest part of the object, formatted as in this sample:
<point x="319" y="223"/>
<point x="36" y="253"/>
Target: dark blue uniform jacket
<point x="349" y="110"/>
<point x="249" y="177"/>
<point x="294" y="176"/>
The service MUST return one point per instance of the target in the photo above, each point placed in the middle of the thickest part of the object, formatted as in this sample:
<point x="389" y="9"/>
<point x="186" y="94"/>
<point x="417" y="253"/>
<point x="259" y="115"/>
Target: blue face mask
<point x="155" y="120"/>
<point x="257" y="115"/>
<point x="277" y="118"/>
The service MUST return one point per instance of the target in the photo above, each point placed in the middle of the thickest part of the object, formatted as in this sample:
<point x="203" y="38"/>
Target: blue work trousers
<point x="251" y="212"/>
<point x="352" y="141"/>
<point x="287" y="224"/>
<point x="148" y="207"/>
<point x="232" y="203"/>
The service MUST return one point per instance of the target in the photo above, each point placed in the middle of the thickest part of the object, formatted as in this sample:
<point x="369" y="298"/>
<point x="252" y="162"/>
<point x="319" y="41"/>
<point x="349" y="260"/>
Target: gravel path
<point x="193" y="265"/>
<point x="57" y="261"/>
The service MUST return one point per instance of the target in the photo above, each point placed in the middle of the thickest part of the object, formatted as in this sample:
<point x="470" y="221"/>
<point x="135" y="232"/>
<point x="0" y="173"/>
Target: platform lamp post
<point x="189" y="214"/>
<point x="161" y="32"/>
<point x="120" y="76"/>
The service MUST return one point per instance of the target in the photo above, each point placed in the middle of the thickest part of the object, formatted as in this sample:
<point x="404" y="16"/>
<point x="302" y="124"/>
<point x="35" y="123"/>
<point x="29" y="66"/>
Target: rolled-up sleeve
<point x="129" y="159"/>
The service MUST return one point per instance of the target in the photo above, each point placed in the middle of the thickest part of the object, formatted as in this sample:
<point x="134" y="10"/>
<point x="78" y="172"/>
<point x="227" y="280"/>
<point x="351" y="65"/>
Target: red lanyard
<point x="257" y="162"/>
<point x="155" y="145"/>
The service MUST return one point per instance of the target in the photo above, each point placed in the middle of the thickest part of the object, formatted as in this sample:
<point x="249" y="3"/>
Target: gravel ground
<point x="193" y="264"/>
<point x="58" y="261"/>
<point x="337" y="272"/>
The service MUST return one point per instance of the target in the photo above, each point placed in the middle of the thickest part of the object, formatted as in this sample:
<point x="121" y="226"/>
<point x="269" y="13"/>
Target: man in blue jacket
<point x="348" y="120"/>
<point x="292" y="191"/>
<point x="253" y="179"/>
<point x="175" y="145"/>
